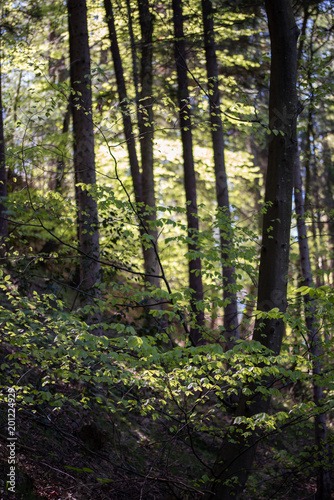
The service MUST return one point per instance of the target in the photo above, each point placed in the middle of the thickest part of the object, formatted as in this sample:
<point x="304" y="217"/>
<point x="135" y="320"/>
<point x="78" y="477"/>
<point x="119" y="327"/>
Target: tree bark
<point x="229" y="284"/>
<point x="328" y="199"/>
<point x="134" y="59"/>
<point x="60" y="160"/>
<point x="237" y="452"/>
<point x="123" y="99"/>
<point x="195" y="270"/>
<point x="146" y="130"/>
<point x="84" y="158"/>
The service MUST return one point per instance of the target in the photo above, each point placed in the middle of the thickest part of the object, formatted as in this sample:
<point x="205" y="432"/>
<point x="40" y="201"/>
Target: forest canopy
<point x="167" y="249"/>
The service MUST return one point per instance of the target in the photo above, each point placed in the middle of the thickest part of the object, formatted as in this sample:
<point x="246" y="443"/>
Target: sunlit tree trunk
<point x="146" y="130"/>
<point x="195" y="271"/>
<point x="237" y="452"/>
<point x="84" y="158"/>
<point x="134" y="59"/>
<point x="217" y="134"/>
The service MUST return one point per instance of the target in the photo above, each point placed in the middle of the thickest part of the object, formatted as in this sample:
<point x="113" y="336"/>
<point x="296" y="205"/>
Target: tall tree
<point x="237" y="453"/>
<point x="146" y="130"/>
<point x="84" y="157"/>
<point x="123" y="99"/>
<point x="146" y="177"/>
<point x="195" y="268"/>
<point x="217" y="134"/>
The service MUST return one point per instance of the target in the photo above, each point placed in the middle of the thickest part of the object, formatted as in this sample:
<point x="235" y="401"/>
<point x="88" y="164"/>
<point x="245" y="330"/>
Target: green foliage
<point x="50" y="356"/>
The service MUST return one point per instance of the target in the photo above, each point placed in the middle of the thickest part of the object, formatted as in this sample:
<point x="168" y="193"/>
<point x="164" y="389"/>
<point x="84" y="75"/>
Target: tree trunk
<point x="237" y="452"/>
<point x="146" y="141"/>
<point x="84" y="158"/>
<point x="328" y="200"/>
<point x="60" y="160"/>
<point x="123" y="99"/>
<point x="195" y="272"/>
<point x="134" y="59"/>
<point x="151" y="264"/>
<point x="217" y="134"/>
<point x="324" y="487"/>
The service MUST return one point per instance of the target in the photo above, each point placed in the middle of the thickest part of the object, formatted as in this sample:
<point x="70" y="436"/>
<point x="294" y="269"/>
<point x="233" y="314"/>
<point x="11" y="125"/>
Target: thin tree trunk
<point x="123" y="99"/>
<point x="323" y="477"/>
<point x="84" y="158"/>
<point x="16" y="98"/>
<point x="134" y="59"/>
<point x="237" y="452"/>
<point x="217" y="134"/>
<point x="60" y="160"/>
<point x="328" y="201"/>
<point x="195" y="270"/>
<point x="151" y="264"/>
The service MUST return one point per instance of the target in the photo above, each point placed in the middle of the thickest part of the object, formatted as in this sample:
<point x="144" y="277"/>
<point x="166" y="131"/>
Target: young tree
<point x="217" y="134"/>
<point x="237" y="452"/>
<point x="195" y="272"/>
<point x="84" y="158"/>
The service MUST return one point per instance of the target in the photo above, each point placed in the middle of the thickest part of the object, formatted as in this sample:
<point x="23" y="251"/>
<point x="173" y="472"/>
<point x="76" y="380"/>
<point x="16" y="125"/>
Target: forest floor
<point x="71" y="453"/>
<point x="80" y="456"/>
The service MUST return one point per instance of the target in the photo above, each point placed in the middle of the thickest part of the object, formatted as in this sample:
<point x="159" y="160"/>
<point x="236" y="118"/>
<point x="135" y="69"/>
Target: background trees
<point x="154" y="125"/>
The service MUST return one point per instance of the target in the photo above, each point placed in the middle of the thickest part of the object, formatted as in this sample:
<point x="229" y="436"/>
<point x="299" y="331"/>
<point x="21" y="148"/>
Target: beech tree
<point x="123" y="99"/>
<point x="146" y="130"/>
<point x="84" y="156"/>
<point x="235" y="458"/>
<point x="195" y="275"/>
<point x="142" y="181"/>
<point x="217" y="134"/>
